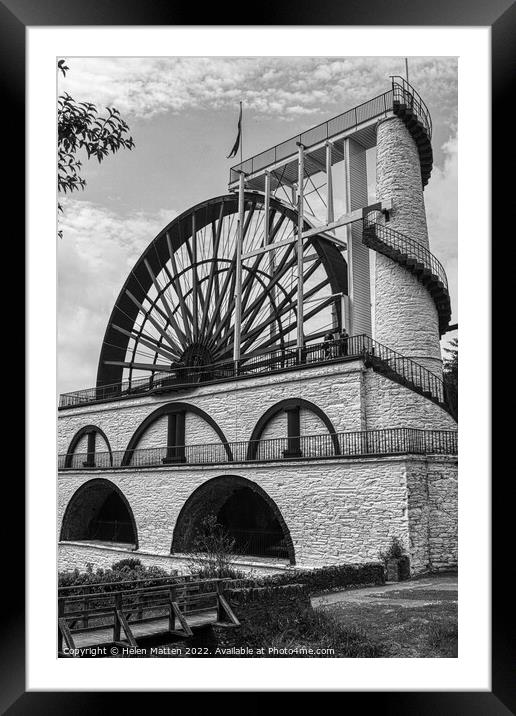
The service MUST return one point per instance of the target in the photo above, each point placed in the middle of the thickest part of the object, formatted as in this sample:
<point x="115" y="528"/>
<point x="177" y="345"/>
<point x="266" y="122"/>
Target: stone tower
<point x="406" y="318"/>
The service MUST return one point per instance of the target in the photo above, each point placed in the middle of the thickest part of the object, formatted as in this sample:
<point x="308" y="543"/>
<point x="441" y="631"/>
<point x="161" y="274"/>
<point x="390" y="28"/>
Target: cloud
<point x="278" y="87"/>
<point x="98" y="249"/>
<point x="441" y="197"/>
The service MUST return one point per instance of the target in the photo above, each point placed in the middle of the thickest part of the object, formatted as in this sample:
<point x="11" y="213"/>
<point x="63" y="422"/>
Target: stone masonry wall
<point x="235" y="406"/>
<point x="352" y="397"/>
<point x="432" y="510"/>
<point x="388" y="404"/>
<point x="337" y="511"/>
<point x="443" y="515"/>
<point x="405" y="315"/>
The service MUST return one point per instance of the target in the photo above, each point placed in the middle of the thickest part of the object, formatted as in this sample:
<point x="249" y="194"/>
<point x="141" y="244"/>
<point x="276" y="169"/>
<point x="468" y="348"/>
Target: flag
<point x="237" y="141"/>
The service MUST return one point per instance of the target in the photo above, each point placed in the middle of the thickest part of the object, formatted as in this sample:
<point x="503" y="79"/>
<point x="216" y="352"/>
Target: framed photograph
<point x="262" y="241"/>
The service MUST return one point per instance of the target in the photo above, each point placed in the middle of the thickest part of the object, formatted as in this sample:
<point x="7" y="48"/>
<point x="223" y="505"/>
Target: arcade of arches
<point x="99" y="512"/>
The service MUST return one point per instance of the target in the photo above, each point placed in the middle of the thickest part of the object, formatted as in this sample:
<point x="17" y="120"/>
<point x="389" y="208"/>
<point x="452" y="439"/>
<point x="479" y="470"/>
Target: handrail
<point x="402" y="92"/>
<point x="185" y="376"/>
<point x="183" y="582"/>
<point x="361" y="346"/>
<point x="118" y="582"/>
<point x="396" y="240"/>
<point x="414" y="373"/>
<point x="386" y="441"/>
<point x="325" y="130"/>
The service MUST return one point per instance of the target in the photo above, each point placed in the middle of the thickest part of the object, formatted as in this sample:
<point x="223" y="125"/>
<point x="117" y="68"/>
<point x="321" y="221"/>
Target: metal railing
<point x="405" y="94"/>
<point x="389" y="441"/>
<point x="403" y="370"/>
<point x="402" y="93"/>
<point x="403" y="244"/>
<point x="181" y="376"/>
<point x="260" y="543"/>
<point x="326" y="130"/>
<point x="377" y="356"/>
<point x="112" y="531"/>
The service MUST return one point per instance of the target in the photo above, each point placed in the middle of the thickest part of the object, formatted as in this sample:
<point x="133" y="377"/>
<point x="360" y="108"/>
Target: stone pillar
<point x="406" y="318"/>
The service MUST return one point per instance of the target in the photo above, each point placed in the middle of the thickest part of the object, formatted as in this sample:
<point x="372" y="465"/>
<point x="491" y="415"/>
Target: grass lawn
<point x="404" y="622"/>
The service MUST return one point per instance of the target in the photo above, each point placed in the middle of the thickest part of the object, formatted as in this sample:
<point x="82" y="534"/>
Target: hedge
<point x="323" y="578"/>
<point x="130" y="572"/>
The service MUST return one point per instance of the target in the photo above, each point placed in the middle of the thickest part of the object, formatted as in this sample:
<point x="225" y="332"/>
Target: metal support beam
<point x="272" y="256"/>
<point x="238" y="270"/>
<point x="299" y="247"/>
<point x="329" y="186"/>
<point x="347" y="204"/>
<point x="195" y="306"/>
<point x="267" y="206"/>
<point x="320" y="299"/>
<point x="271" y="247"/>
<point x="343" y="320"/>
<point x="343" y="220"/>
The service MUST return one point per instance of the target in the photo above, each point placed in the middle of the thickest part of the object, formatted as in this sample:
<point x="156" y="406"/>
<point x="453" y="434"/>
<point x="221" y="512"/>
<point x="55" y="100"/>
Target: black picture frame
<point x="15" y="17"/>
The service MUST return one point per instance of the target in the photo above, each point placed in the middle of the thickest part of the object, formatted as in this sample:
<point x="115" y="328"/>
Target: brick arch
<point x="86" y="502"/>
<point x="75" y="441"/>
<point x="169" y="409"/>
<point x="209" y="498"/>
<point x="281" y="406"/>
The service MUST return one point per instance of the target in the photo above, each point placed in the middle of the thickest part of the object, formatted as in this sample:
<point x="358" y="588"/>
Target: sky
<point x="182" y="114"/>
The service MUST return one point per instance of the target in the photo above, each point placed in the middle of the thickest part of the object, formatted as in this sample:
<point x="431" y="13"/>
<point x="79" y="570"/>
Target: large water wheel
<point x="177" y="306"/>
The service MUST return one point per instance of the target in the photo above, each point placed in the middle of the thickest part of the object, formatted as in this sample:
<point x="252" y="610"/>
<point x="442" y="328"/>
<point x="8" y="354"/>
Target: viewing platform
<point x="281" y="162"/>
<point x="393" y="441"/>
<point x="376" y="356"/>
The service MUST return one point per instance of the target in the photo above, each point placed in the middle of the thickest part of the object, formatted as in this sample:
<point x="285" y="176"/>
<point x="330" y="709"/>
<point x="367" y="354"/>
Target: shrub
<point x="105" y="580"/>
<point x="128" y="563"/>
<point x="209" y="571"/>
<point x="395" y="550"/>
<point x="213" y="551"/>
<point x="324" y="578"/>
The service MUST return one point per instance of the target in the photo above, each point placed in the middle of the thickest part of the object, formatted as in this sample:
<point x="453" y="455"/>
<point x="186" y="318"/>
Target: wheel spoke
<point x="290" y="327"/>
<point x="187" y="316"/>
<point x="287" y="262"/>
<point x="148" y="341"/>
<point x="148" y="315"/>
<point x="216" y="240"/>
<point x="284" y="307"/>
<point x="224" y="324"/>
<point x="248" y="283"/>
<point x="152" y="367"/>
<point x="163" y="300"/>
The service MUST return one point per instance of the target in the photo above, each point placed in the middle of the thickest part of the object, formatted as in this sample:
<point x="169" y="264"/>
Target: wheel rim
<point x="177" y="304"/>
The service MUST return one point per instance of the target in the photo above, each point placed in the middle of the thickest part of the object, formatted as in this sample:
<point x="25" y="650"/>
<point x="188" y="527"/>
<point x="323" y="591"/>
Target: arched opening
<point x="246" y="512"/>
<point x="84" y="447"/>
<point x="293" y="443"/>
<point x="99" y="512"/>
<point x="178" y="443"/>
